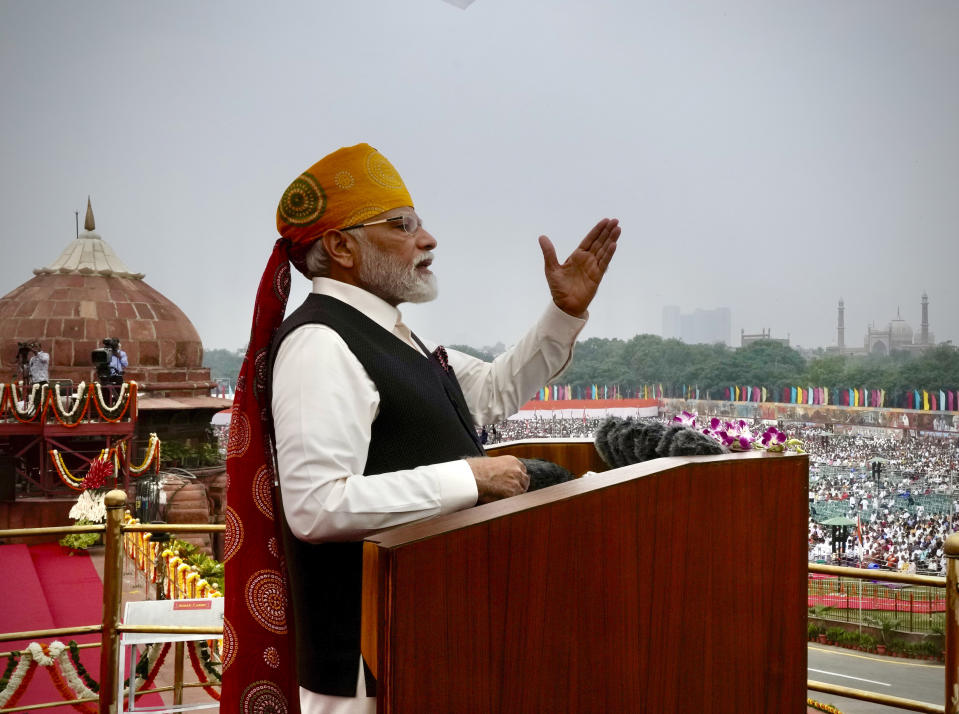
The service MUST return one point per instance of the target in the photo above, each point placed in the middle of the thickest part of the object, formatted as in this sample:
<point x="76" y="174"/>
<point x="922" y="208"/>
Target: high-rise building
<point x="671" y="323"/>
<point x="698" y="327"/>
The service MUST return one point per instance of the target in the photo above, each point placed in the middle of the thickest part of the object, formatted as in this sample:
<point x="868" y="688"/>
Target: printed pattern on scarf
<point x="258" y="646"/>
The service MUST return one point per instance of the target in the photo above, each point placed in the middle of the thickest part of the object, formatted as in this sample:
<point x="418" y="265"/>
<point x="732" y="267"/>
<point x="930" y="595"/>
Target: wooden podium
<point x="676" y="585"/>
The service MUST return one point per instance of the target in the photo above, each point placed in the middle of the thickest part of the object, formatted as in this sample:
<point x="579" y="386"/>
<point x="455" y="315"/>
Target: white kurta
<point x="324" y="405"/>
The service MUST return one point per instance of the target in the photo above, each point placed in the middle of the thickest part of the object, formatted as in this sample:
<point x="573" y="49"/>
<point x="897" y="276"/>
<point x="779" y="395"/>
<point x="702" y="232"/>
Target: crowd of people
<point x="900" y="492"/>
<point x="517" y="429"/>
<point x="899" y="540"/>
<point x="925" y="456"/>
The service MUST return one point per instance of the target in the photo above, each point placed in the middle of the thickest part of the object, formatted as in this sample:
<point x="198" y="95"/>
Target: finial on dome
<point x="88" y="223"/>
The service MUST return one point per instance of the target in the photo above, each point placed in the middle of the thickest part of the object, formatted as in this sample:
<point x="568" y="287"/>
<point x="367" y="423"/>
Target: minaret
<point x="924" y="327"/>
<point x="841" y="327"/>
<point x="88" y="222"/>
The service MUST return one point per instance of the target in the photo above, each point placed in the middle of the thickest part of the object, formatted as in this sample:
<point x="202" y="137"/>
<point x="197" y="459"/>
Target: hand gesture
<point x="573" y="283"/>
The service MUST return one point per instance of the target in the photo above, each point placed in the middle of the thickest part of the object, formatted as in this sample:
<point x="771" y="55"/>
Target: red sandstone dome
<point x="87" y="295"/>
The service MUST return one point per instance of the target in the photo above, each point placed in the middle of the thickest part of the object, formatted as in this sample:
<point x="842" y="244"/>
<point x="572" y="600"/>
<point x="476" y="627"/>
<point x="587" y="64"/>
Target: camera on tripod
<point x="23" y="351"/>
<point x="101" y="358"/>
<point x="22" y="360"/>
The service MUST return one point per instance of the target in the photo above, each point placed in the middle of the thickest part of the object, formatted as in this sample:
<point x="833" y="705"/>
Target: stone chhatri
<point x="89" y="254"/>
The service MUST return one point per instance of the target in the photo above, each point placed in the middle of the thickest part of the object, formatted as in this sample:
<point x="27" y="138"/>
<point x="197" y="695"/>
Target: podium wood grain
<point x="677" y="585"/>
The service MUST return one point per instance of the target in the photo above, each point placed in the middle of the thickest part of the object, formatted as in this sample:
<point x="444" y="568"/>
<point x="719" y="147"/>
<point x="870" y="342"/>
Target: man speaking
<point x="372" y="426"/>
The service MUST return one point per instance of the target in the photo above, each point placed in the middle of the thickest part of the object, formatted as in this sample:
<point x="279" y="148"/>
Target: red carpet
<point x="74" y="592"/>
<point x="43" y="587"/>
<point x="25" y="608"/>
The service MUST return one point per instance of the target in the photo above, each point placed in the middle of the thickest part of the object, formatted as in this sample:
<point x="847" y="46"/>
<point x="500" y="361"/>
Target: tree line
<point x="649" y="359"/>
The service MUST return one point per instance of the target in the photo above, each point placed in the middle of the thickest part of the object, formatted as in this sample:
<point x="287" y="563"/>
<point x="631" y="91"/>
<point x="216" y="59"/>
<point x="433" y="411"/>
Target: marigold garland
<point x="19" y="681"/>
<point x="70" y="418"/>
<point x="33" y="406"/>
<point x="63" y="472"/>
<point x="202" y="669"/>
<point x="89" y="681"/>
<point x="114" y="413"/>
<point x="828" y="708"/>
<point x="75" y="482"/>
<point x="66" y="679"/>
<point x="152" y="456"/>
<point x="150" y="662"/>
<point x="12" y="660"/>
<point x="72" y="681"/>
<point x="116" y="454"/>
<point x="44" y="399"/>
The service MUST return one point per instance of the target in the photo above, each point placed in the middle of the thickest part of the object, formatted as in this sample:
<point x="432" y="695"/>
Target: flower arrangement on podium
<point x="737" y="436"/>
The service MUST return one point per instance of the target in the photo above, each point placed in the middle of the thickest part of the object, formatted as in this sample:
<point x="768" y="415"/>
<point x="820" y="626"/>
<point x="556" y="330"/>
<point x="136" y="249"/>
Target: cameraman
<point x="112" y="376"/>
<point x="38" y="368"/>
<point x="118" y="360"/>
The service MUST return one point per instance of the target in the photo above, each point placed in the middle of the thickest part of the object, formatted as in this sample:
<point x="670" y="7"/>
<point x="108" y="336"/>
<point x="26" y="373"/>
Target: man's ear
<point x="341" y="247"/>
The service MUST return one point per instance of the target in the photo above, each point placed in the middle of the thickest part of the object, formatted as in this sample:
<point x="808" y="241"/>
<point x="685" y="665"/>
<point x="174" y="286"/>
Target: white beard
<point x="387" y="278"/>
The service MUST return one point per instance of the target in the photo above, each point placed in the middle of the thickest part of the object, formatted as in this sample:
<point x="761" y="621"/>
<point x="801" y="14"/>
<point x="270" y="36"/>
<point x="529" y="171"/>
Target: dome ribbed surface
<point x="89" y="254"/>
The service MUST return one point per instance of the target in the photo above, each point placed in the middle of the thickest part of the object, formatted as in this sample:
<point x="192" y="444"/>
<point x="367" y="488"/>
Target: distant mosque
<point x="898" y="336"/>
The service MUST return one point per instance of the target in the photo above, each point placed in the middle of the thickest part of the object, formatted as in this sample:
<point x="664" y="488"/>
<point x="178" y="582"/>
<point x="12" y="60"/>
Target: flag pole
<point x="859" y="580"/>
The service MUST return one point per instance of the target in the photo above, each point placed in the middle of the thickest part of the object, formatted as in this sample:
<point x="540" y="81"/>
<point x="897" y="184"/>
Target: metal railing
<point x="950" y="583"/>
<point x="110" y="627"/>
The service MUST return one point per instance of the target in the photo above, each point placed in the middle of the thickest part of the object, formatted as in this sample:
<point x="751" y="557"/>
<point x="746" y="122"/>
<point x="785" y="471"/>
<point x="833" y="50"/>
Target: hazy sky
<point x="771" y="157"/>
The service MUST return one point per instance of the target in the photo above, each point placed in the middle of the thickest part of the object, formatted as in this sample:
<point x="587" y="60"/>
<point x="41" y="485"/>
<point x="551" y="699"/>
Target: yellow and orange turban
<point x="348" y="186"/>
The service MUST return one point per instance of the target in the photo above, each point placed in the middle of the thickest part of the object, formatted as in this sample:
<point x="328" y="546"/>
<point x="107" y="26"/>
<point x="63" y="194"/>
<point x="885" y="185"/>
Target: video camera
<point x="101" y="358"/>
<point x="23" y="352"/>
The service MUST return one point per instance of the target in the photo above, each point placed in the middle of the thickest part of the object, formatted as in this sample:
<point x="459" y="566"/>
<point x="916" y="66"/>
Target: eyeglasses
<point x="409" y="222"/>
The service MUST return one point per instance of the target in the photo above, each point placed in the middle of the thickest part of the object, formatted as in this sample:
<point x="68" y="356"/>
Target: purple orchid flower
<point x="686" y="419"/>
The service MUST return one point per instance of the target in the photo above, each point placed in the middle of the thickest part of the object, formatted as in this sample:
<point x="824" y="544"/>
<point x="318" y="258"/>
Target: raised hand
<point x="573" y="284"/>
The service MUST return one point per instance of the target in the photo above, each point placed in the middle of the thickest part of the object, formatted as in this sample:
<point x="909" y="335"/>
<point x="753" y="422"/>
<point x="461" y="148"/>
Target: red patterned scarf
<point x="259" y="672"/>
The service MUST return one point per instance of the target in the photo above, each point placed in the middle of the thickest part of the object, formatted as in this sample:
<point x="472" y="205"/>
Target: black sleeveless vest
<point x="423" y="419"/>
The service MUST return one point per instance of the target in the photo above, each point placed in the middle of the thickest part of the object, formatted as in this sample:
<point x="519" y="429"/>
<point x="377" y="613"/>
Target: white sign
<point x="171" y="613"/>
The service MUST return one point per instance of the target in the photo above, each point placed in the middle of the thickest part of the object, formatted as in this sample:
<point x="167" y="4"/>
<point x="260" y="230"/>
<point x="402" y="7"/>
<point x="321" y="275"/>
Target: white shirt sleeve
<point x="324" y="405"/>
<point x="495" y="390"/>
